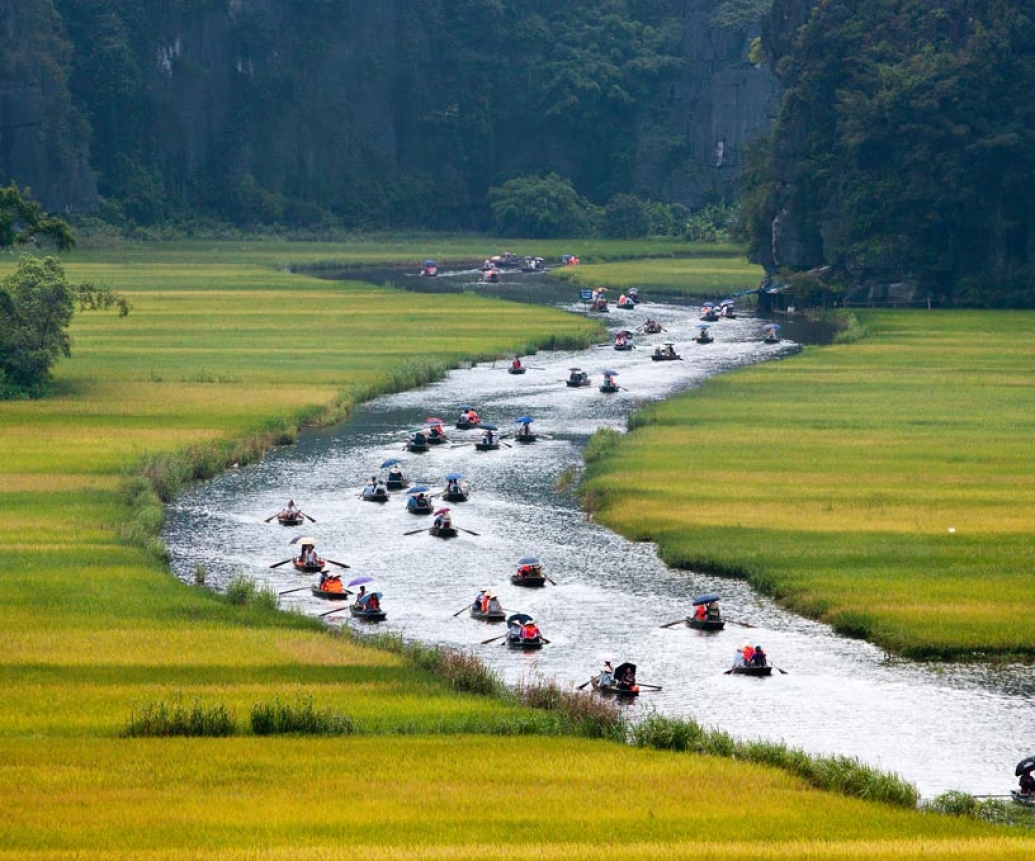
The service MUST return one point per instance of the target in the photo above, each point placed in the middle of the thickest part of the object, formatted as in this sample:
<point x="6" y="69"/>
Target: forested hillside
<point x="375" y="114"/>
<point x="905" y="147"/>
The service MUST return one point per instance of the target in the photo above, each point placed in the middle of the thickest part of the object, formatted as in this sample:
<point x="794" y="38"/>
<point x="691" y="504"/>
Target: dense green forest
<point x="905" y="146"/>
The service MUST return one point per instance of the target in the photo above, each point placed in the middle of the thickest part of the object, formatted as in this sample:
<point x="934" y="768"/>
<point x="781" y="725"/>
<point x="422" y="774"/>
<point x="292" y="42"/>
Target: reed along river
<point x="940" y="726"/>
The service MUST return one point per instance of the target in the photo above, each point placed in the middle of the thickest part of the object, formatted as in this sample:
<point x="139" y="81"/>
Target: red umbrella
<point x="443" y="510"/>
<point x="432" y="421"/>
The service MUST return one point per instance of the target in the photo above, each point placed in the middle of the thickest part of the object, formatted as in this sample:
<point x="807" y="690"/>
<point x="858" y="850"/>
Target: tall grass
<point x="300" y="717"/>
<point x="163" y="719"/>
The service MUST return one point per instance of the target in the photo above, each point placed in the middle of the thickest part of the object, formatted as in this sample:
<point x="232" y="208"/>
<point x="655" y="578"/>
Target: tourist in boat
<point x="744" y="655"/>
<point x="701" y="612"/>
<point x="758" y="657"/>
<point x="436" y="432"/>
<point x="477" y="602"/>
<point x="416" y="501"/>
<point x="361" y="595"/>
<point x="395" y="474"/>
<point x="330" y="582"/>
<point x="621" y="340"/>
<point x="443" y="520"/>
<point x="1027" y="784"/>
<point x="494" y="605"/>
<point x="291" y="512"/>
<point x="373" y="603"/>
<point x="607" y="675"/>
<point x="453" y="486"/>
<point x="489" y="437"/>
<point x="713" y="611"/>
<point x="515" y="365"/>
<point x="530" y="631"/>
<point x="526" y="429"/>
<point x="609" y="381"/>
<point x="628" y="680"/>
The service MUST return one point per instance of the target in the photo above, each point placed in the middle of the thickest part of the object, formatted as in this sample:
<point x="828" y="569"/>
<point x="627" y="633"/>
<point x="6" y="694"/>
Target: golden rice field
<point x="715" y="275"/>
<point x="224" y="343"/>
<point x="833" y="479"/>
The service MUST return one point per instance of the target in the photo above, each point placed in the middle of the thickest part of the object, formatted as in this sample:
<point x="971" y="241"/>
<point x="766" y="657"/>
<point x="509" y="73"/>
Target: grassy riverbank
<point x="224" y="345"/>
<point x="883" y="486"/>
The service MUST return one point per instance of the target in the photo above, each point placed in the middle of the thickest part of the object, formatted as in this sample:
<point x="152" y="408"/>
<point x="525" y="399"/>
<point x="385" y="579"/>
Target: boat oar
<point x="676" y="622"/>
<point x="781" y="669"/>
<point x="652" y="687"/>
<point x="289" y="591"/>
<point x="742" y="624"/>
<point x="339" y="564"/>
<point x="468" y="531"/>
<point x="549" y="579"/>
<point x="268" y="519"/>
<point x="335" y="610"/>
<point x="415" y="531"/>
<point x="285" y="562"/>
<point x="307" y="517"/>
<point x="507" y="444"/>
<point x="587" y="682"/>
<point x="541" y="637"/>
<point x="493" y="639"/>
<point x="461" y="610"/>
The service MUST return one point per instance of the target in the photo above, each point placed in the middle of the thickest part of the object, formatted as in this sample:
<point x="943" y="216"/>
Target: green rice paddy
<point x="883" y="486"/>
<point x="224" y="345"/>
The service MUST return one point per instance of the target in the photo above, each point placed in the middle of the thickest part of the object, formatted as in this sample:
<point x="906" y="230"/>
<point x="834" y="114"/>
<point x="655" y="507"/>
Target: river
<point x="940" y="726"/>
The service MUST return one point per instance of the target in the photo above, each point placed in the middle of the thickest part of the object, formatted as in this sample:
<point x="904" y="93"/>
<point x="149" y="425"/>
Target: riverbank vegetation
<point x="120" y="681"/>
<point x="883" y="486"/>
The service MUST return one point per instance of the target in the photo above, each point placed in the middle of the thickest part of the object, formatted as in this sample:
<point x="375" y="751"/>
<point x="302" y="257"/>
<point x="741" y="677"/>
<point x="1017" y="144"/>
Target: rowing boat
<point x="488" y="615"/>
<point x="529" y="574"/>
<point x="443" y="531"/>
<point x="609" y="390"/>
<point x="379" y="495"/>
<point x="486" y="446"/>
<point x="458" y="495"/>
<point x="396" y="483"/>
<point x="305" y="568"/>
<point x="367" y="614"/>
<point x="289" y="519"/>
<point x="705" y="624"/>
<point x="616" y="690"/>
<point x="513" y="370"/>
<point x="1025" y="798"/>
<point x="753" y="670"/>
<point x="331" y="594"/>
<point x="525" y="437"/>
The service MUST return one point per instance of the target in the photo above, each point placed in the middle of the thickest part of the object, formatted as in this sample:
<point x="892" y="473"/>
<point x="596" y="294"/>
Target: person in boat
<point x="621" y="339"/>
<point x="477" y="602"/>
<point x="453" y="486"/>
<point x="494" y="605"/>
<point x="291" y="512"/>
<point x="530" y="630"/>
<point x="443" y="521"/>
<point x="744" y="655"/>
<point x="395" y="474"/>
<point x="373" y="603"/>
<point x="758" y="657"/>
<point x="330" y="582"/>
<point x="628" y="680"/>
<point x="516" y="364"/>
<point x="416" y="501"/>
<point x="361" y="596"/>
<point x="657" y="350"/>
<point x="418" y="438"/>
<point x="713" y="611"/>
<point x="701" y="612"/>
<point x="309" y="556"/>
<point x="465" y="417"/>
<point x="488" y="437"/>
<point x="609" y="381"/>
<point x="1027" y="784"/>
<point x="436" y="432"/>
<point x="607" y="675"/>
<point x="622" y="301"/>
<point x="526" y="429"/>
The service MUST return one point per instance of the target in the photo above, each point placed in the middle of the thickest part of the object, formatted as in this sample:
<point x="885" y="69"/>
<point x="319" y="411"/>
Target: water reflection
<point x="838" y="696"/>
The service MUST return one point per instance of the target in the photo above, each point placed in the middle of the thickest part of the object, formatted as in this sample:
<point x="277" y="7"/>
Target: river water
<point x="940" y="726"/>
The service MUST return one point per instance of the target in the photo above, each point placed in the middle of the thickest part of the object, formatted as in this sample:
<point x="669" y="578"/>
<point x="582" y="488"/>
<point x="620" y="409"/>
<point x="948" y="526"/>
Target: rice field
<point x="883" y="486"/>
<point x="225" y="345"/>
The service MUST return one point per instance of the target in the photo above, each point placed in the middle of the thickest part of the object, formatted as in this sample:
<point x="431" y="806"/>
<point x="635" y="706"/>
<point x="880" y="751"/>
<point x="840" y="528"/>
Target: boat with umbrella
<point x="525" y="433"/>
<point x="523" y="633"/>
<point x="771" y="333"/>
<point x="622" y="683"/>
<point x="577" y="378"/>
<point x="529" y="572"/>
<point x="429" y="269"/>
<point x="418" y="501"/>
<point x="726" y="309"/>
<point x="443" y="525"/>
<point x="417" y="441"/>
<point x="609" y="386"/>
<point x="490" y="440"/>
<point x="665" y="353"/>
<point x="1026" y="793"/>
<point x="436" y="432"/>
<point x="367" y="605"/>
<point x="395" y="480"/>
<point x="709" y="313"/>
<point x="704" y="334"/>
<point x="307" y="561"/>
<point x="457" y="490"/>
<point x="707" y="616"/>
<point x="623" y="340"/>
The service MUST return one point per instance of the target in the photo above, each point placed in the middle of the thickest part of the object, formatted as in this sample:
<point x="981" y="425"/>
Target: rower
<point x="758" y="657"/>
<point x="530" y="631"/>
<point x="607" y="675"/>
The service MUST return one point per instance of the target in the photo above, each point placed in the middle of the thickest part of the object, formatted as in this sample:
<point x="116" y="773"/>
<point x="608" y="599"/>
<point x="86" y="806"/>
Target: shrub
<point x="278" y="718"/>
<point x="161" y="719"/>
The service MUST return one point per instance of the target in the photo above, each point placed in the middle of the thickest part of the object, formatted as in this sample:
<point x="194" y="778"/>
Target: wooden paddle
<point x="335" y="610"/>
<point x="541" y="637"/>
<point x="289" y="591"/>
<point x="670" y="624"/>
<point x="652" y="687"/>
<point x="268" y="519"/>
<point x="468" y="531"/>
<point x="285" y="562"/>
<point x="415" y="531"/>
<point x="550" y="579"/>
<point x="339" y="564"/>
<point x="781" y="669"/>
<point x="461" y="610"/>
<point x="493" y="639"/>
<point x="307" y="517"/>
<point x="742" y="624"/>
<point x="588" y="682"/>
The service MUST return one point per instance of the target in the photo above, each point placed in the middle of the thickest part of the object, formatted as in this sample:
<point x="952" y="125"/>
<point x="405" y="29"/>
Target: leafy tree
<point x="625" y="217"/>
<point x="37" y="303"/>
<point x="540" y="207"/>
<point x="23" y="221"/>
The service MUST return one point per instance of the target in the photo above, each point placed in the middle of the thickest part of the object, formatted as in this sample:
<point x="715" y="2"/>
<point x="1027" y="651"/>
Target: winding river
<point x="939" y="726"/>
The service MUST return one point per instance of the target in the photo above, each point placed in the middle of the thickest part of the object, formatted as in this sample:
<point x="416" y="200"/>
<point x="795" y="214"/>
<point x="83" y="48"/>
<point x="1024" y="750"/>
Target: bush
<point x="278" y="718"/>
<point x="625" y="218"/>
<point x="541" y="208"/>
<point x="163" y="719"/>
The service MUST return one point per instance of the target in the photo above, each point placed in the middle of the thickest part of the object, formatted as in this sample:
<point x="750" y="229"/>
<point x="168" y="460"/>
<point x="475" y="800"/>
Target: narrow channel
<point x="940" y="726"/>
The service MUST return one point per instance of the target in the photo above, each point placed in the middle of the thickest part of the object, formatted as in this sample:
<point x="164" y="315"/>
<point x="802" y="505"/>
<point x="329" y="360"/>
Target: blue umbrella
<point x="465" y="407"/>
<point x="528" y="560"/>
<point x="726" y="302"/>
<point x="429" y="262"/>
<point x="392" y="461"/>
<point x="487" y="426"/>
<point x="420" y="488"/>
<point x="610" y="373"/>
<point x="453" y="476"/>
<point x="363" y="601"/>
<point x="523" y="420"/>
<point x="705" y="326"/>
<point x="706" y="598"/>
<point x="518" y="619"/>
<point x="770" y="327"/>
<point x="707" y="304"/>
<point x="360" y="580"/>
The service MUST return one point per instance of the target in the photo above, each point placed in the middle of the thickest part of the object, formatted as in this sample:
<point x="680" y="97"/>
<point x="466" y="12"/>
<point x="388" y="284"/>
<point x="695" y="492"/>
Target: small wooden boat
<point x="289" y="519"/>
<point x="378" y="495"/>
<point x="516" y="641"/>
<point x="627" y="306"/>
<point x="467" y="425"/>
<point x="623" y="348"/>
<point x="616" y="690"/>
<point x="704" y="338"/>
<point x="368" y="614"/>
<point x="396" y="483"/>
<point x="753" y="670"/>
<point x="437" y="439"/>
<point x="529" y="574"/>
<point x="518" y="370"/>
<point x="498" y="615"/>
<point x="305" y="568"/>
<point x="1027" y="799"/>
<point x="417" y="444"/>
<point x="525" y="437"/>
<point x="419" y="507"/>
<point x="577" y="381"/>
<point x="710" y="317"/>
<point x="768" y="339"/>
<point x="443" y="532"/>
<point x="330" y="594"/>
<point x="609" y="388"/>
<point x="705" y="624"/>
<point x="667" y="353"/>
<point x="458" y="495"/>
<point x="652" y="327"/>
<point x="486" y="446"/>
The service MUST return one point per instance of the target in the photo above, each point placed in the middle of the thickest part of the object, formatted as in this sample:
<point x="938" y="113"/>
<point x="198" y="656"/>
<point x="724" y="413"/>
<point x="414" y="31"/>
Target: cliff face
<point x="43" y="139"/>
<point x="386" y="113"/>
